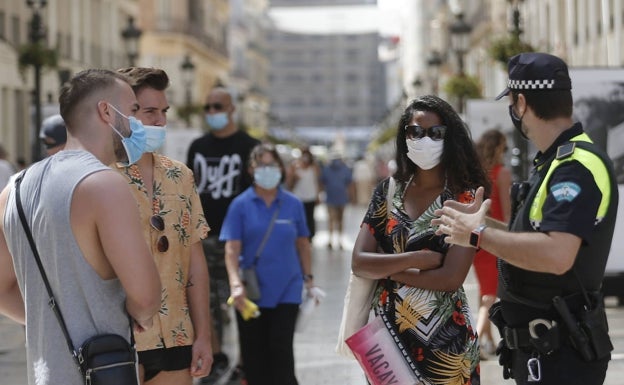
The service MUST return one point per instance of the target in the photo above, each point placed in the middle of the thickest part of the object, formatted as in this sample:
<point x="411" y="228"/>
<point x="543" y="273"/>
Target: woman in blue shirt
<point x="283" y="266"/>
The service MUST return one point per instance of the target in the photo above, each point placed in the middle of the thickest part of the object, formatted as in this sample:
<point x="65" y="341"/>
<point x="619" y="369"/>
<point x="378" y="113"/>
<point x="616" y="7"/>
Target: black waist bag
<point x="108" y="359"/>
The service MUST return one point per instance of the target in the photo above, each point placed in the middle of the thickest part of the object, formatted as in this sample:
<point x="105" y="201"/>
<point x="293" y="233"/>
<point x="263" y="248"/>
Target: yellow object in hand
<point x="251" y="310"/>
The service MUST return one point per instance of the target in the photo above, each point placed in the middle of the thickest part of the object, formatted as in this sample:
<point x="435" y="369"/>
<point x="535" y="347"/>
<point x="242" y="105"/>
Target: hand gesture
<point x="457" y="220"/>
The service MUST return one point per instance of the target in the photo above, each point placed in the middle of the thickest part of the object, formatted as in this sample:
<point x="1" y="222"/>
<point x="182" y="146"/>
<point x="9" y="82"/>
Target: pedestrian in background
<point x="303" y="180"/>
<point x="283" y="264"/>
<point x="177" y="348"/>
<point x="6" y="168"/>
<point x="337" y="183"/>
<point x="419" y="277"/>
<point x="552" y="260"/>
<point x="364" y="180"/>
<point x="53" y="134"/>
<point x="491" y="148"/>
<point x="219" y="161"/>
<point x="86" y="225"/>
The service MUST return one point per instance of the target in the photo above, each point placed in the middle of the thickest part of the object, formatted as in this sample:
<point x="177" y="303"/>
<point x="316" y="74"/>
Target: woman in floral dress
<point x="419" y="276"/>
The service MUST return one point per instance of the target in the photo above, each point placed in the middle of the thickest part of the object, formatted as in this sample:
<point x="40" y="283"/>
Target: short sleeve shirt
<point x="279" y="266"/>
<point x="573" y="195"/>
<point x="175" y="199"/>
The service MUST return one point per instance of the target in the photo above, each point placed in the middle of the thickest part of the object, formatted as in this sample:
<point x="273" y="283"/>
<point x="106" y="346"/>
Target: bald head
<point x="221" y="94"/>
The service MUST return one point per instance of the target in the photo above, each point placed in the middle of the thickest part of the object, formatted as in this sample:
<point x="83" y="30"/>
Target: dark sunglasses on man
<point x="158" y="223"/>
<point x="213" y="106"/>
<point x="417" y="132"/>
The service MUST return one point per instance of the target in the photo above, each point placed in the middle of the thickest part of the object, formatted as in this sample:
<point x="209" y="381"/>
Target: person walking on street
<point x="86" y="224"/>
<point x="178" y="347"/>
<point x="363" y="179"/>
<point x="337" y="182"/>
<point x="265" y="228"/>
<point x="420" y="278"/>
<point x="303" y="180"/>
<point x="6" y="168"/>
<point x="552" y="260"/>
<point x="491" y="148"/>
<point x="219" y="160"/>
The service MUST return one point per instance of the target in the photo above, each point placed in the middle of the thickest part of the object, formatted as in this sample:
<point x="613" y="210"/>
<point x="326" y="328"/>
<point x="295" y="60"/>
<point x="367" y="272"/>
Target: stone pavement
<point x="316" y="361"/>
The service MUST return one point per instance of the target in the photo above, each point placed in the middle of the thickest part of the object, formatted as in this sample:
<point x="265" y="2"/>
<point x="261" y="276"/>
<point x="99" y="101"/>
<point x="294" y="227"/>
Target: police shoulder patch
<point x="565" y="191"/>
<point x="565" y="150"/>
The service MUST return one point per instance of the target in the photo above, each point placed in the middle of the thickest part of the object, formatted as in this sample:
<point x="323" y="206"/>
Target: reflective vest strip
<point x="593" y="163"/>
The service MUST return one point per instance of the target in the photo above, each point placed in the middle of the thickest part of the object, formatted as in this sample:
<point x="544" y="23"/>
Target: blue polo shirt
<point x="279" y="267"/>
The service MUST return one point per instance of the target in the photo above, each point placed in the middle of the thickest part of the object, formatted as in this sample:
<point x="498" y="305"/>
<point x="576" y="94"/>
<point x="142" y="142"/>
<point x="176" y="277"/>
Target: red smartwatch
<point x="475" y="236"/>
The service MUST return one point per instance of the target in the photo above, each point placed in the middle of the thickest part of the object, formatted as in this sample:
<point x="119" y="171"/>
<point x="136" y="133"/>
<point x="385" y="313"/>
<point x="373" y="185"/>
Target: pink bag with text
<point x="378" y="355"/>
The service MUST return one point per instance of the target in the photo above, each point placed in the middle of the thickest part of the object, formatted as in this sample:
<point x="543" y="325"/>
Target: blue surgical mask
<point x="217" y="121"/>
<point x="154" y="137"/>
<point x="267" y="177"/>
<point x="135" y="143"/>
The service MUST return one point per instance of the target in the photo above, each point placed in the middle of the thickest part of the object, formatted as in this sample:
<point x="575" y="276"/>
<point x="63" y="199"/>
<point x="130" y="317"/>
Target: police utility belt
<point x="542" y="334"/>
<point x="585" y="329"/>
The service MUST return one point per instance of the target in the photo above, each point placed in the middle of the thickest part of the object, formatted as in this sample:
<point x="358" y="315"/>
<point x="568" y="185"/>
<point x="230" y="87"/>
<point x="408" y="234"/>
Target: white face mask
<point x="425" y="152"/>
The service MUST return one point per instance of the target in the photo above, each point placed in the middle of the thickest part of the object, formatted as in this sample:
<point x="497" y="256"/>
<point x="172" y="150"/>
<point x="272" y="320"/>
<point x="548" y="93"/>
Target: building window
<point x="16" y="38"/>
<point x="2" y="23"/>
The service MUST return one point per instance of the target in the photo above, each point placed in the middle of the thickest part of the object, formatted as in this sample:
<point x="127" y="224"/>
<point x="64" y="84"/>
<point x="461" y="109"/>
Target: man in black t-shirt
<point x="219" y="162"/>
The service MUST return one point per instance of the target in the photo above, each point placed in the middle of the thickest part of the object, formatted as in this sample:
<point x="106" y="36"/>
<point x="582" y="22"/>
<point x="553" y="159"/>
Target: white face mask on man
<point x="425" y="152"/>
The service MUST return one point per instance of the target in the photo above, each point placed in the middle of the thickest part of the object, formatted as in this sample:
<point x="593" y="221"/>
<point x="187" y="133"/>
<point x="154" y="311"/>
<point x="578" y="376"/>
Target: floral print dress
<point x="434" y="327"/>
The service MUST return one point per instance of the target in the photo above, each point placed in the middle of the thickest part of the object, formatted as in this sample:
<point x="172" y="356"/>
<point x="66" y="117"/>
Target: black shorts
<point x="168" y="360"/>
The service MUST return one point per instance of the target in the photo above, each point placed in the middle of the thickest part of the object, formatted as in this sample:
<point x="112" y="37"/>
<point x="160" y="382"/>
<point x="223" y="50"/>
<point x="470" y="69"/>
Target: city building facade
<point x="249" y="63"/>
<point x="176" y="33"/>
<point x="83" y="33"/>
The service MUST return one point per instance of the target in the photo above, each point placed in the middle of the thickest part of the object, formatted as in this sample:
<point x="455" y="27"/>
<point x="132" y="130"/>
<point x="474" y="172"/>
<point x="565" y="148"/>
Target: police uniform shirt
<point x="574" y="213"/>
<point x="573" y="196"/>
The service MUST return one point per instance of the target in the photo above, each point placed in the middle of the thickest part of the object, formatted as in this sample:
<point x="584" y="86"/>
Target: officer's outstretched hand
<point x="457" y="220"/>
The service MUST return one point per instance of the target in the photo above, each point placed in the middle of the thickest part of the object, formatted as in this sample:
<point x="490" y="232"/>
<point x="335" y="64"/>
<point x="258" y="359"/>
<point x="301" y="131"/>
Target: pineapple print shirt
<point x="175" y="199"/>
<point x="434" y="327"/>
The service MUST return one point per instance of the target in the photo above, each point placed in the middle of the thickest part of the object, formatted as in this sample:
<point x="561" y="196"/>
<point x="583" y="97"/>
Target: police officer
<point x="53" y="134"/>
<point x="552" y="260"/>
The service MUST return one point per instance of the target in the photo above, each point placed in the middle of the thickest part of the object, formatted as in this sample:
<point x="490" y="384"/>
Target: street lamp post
<point x="460" y="42"/>
<point x="434" y="61"/>
<point x="36" y="34"/>
<point x="516" y="31"/>
<point x="188" y="74"/>
<point x="130" y="36"/>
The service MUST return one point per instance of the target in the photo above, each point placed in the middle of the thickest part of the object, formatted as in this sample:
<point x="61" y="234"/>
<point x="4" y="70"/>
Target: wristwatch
<point x="308" y="277"/>
<point x="475" y="236"/>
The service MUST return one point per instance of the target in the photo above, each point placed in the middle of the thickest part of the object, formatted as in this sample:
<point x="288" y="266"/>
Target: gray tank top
<point x="89" y="304"/>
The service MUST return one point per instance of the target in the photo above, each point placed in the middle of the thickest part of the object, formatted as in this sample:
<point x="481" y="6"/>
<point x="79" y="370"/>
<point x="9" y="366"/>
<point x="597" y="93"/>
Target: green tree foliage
<point x="463" y="86"/>
<point x="504" y="48"/>
<point x="36" y="54"/>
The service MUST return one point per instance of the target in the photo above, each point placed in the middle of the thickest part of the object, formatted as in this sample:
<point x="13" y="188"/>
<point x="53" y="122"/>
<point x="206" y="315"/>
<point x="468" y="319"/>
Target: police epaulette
<point x="565" y="150"/>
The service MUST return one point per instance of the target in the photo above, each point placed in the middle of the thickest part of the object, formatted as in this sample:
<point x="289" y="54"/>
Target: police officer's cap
<point x="536" y="71"/>
<point x="53" y="128"/>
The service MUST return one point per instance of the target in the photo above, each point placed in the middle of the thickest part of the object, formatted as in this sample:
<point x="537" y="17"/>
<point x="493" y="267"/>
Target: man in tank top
<point x="86" y="226"/>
